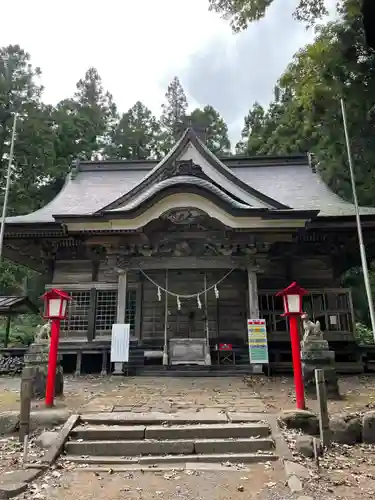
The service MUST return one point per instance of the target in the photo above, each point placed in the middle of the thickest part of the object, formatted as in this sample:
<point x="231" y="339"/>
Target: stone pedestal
<point x="315" y="354"/>
<point x="37" y="359"/>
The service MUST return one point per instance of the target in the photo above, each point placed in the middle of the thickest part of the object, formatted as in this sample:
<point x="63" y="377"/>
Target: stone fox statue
<point x="311" y="330"/>
<point x="43" y="334"/>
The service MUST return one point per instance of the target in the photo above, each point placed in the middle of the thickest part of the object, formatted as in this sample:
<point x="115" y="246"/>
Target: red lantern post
<point x="292" y="300"/>
<point x="55" y="309"/>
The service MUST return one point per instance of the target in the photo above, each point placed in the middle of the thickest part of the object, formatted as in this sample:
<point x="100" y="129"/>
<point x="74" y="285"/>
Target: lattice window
<point x="131" y="309"/>
<point x="78" y="309"/>
<point x="106" y="310"/>
<point x="332" y="308"/>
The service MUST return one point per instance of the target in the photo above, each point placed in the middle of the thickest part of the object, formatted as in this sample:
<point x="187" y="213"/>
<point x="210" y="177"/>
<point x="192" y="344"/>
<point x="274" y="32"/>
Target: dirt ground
<point x="256" y="483"/>
<point x="345" y="473"/>
<point x="358" y="394"/>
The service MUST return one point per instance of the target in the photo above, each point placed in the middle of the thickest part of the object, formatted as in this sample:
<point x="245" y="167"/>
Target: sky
<point x="138" y="46"/>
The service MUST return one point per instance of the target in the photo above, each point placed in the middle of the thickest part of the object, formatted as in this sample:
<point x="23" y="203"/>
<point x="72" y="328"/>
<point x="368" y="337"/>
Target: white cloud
<point x="139" y="45"/>
<point x="132" y="43"/>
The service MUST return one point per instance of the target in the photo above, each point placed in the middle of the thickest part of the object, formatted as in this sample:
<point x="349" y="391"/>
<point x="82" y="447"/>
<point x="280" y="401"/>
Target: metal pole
<point x="7" y="187"/>
<point x="362" y="249"/>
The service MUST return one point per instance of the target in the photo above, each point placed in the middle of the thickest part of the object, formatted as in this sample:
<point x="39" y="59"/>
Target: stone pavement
<point x="170" y="395"/>
<point x="164" y="394"/>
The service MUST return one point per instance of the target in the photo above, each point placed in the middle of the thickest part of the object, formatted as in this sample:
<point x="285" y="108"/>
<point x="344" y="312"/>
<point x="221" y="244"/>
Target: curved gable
<point x="203" y="164"/>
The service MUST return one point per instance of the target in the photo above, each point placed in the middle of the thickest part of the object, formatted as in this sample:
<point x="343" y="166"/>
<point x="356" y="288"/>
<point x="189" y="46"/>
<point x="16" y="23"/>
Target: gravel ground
<point x="11" y="452"/>
<point x="344" y="472"/>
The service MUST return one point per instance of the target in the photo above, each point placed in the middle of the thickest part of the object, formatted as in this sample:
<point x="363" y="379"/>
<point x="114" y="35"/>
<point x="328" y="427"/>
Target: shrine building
<point x="186" y="249"/>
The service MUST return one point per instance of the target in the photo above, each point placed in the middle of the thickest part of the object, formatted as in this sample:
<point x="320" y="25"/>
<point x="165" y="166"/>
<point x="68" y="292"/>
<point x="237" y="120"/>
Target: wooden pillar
<point x="165" y="349"/>
<point x="78" y="363"/>
<point x="121" y="308"/>
<point x="91" y="316"/>
<point x="253" y="294"/>
<point x="104" y="363"/>
<point x="26" y="396"/>
<point x="7" y="330"/>
<point x="207" y="331"/>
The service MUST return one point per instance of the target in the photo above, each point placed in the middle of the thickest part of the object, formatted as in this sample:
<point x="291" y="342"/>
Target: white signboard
<point x="120" y="343"/>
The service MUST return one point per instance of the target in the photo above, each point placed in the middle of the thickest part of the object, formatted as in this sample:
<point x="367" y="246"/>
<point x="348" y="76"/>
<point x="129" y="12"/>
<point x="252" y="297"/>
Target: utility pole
<point x="362" y="249"/>
<point x="7" y="187"/>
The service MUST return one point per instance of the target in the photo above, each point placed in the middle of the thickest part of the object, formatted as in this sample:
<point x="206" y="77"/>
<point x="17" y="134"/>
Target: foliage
<point x="363" y="334"/>
<point x="242" y="12"/>
<point x="214" y="127"/>
<point x="353" y="279"/>
<point x="305" y="115"/>
<point x="136" y="135"/>
<point x="173" y="116"/>
<point x="22" y="330"/>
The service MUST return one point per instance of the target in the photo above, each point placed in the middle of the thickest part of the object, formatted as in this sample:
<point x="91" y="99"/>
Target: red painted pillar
<point x="297" y="365"/>
<point x="52" y="362"/>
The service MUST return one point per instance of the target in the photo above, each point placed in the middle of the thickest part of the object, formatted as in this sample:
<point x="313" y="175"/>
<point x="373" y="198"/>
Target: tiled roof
<point x="299" y="187"/>
<point x="284" y="182"/>
<point x="9" y="304"/>
<point x="86" y="193"/>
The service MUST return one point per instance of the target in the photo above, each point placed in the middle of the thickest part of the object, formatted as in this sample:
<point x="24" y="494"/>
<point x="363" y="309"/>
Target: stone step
<point x="128" y="448"/>
<point x="161" y="460"/>
<point x="159" y="418"/>
<point x="202" y="431"/>
<point x="189" y="374"/>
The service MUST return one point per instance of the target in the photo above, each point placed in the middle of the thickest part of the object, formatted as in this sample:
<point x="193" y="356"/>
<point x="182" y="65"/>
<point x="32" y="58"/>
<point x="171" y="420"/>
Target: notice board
<point x="257" y="339"/>
<point x="120" y="343"/>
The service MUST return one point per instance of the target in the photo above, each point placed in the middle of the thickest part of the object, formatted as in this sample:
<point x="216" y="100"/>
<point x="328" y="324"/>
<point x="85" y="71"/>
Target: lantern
<point x="55" y="304"/>
<point x="292" y="299"/>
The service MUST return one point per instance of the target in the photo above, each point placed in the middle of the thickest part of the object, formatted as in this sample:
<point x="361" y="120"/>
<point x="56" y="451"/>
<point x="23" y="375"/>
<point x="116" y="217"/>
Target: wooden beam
<point x="180" y="263"/>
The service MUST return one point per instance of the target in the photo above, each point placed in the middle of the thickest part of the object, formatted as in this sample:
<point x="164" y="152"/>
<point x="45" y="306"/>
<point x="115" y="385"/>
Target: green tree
<point x="89" y="117"/>
<point x="136" y="136"/>
<point x="242" y="12"/>
<point x="173" y="113"/>
<point x="215" y="128"/>
<point x="252" y="133"/>
<point x="307" y="115"/>
<point x="20" y="92"/>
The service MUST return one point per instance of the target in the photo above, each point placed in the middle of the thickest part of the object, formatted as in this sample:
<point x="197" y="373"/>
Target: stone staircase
<point x="121" y="439"/>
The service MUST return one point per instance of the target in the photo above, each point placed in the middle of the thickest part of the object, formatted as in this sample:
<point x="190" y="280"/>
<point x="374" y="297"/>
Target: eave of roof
<point x="222" y="202"/>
